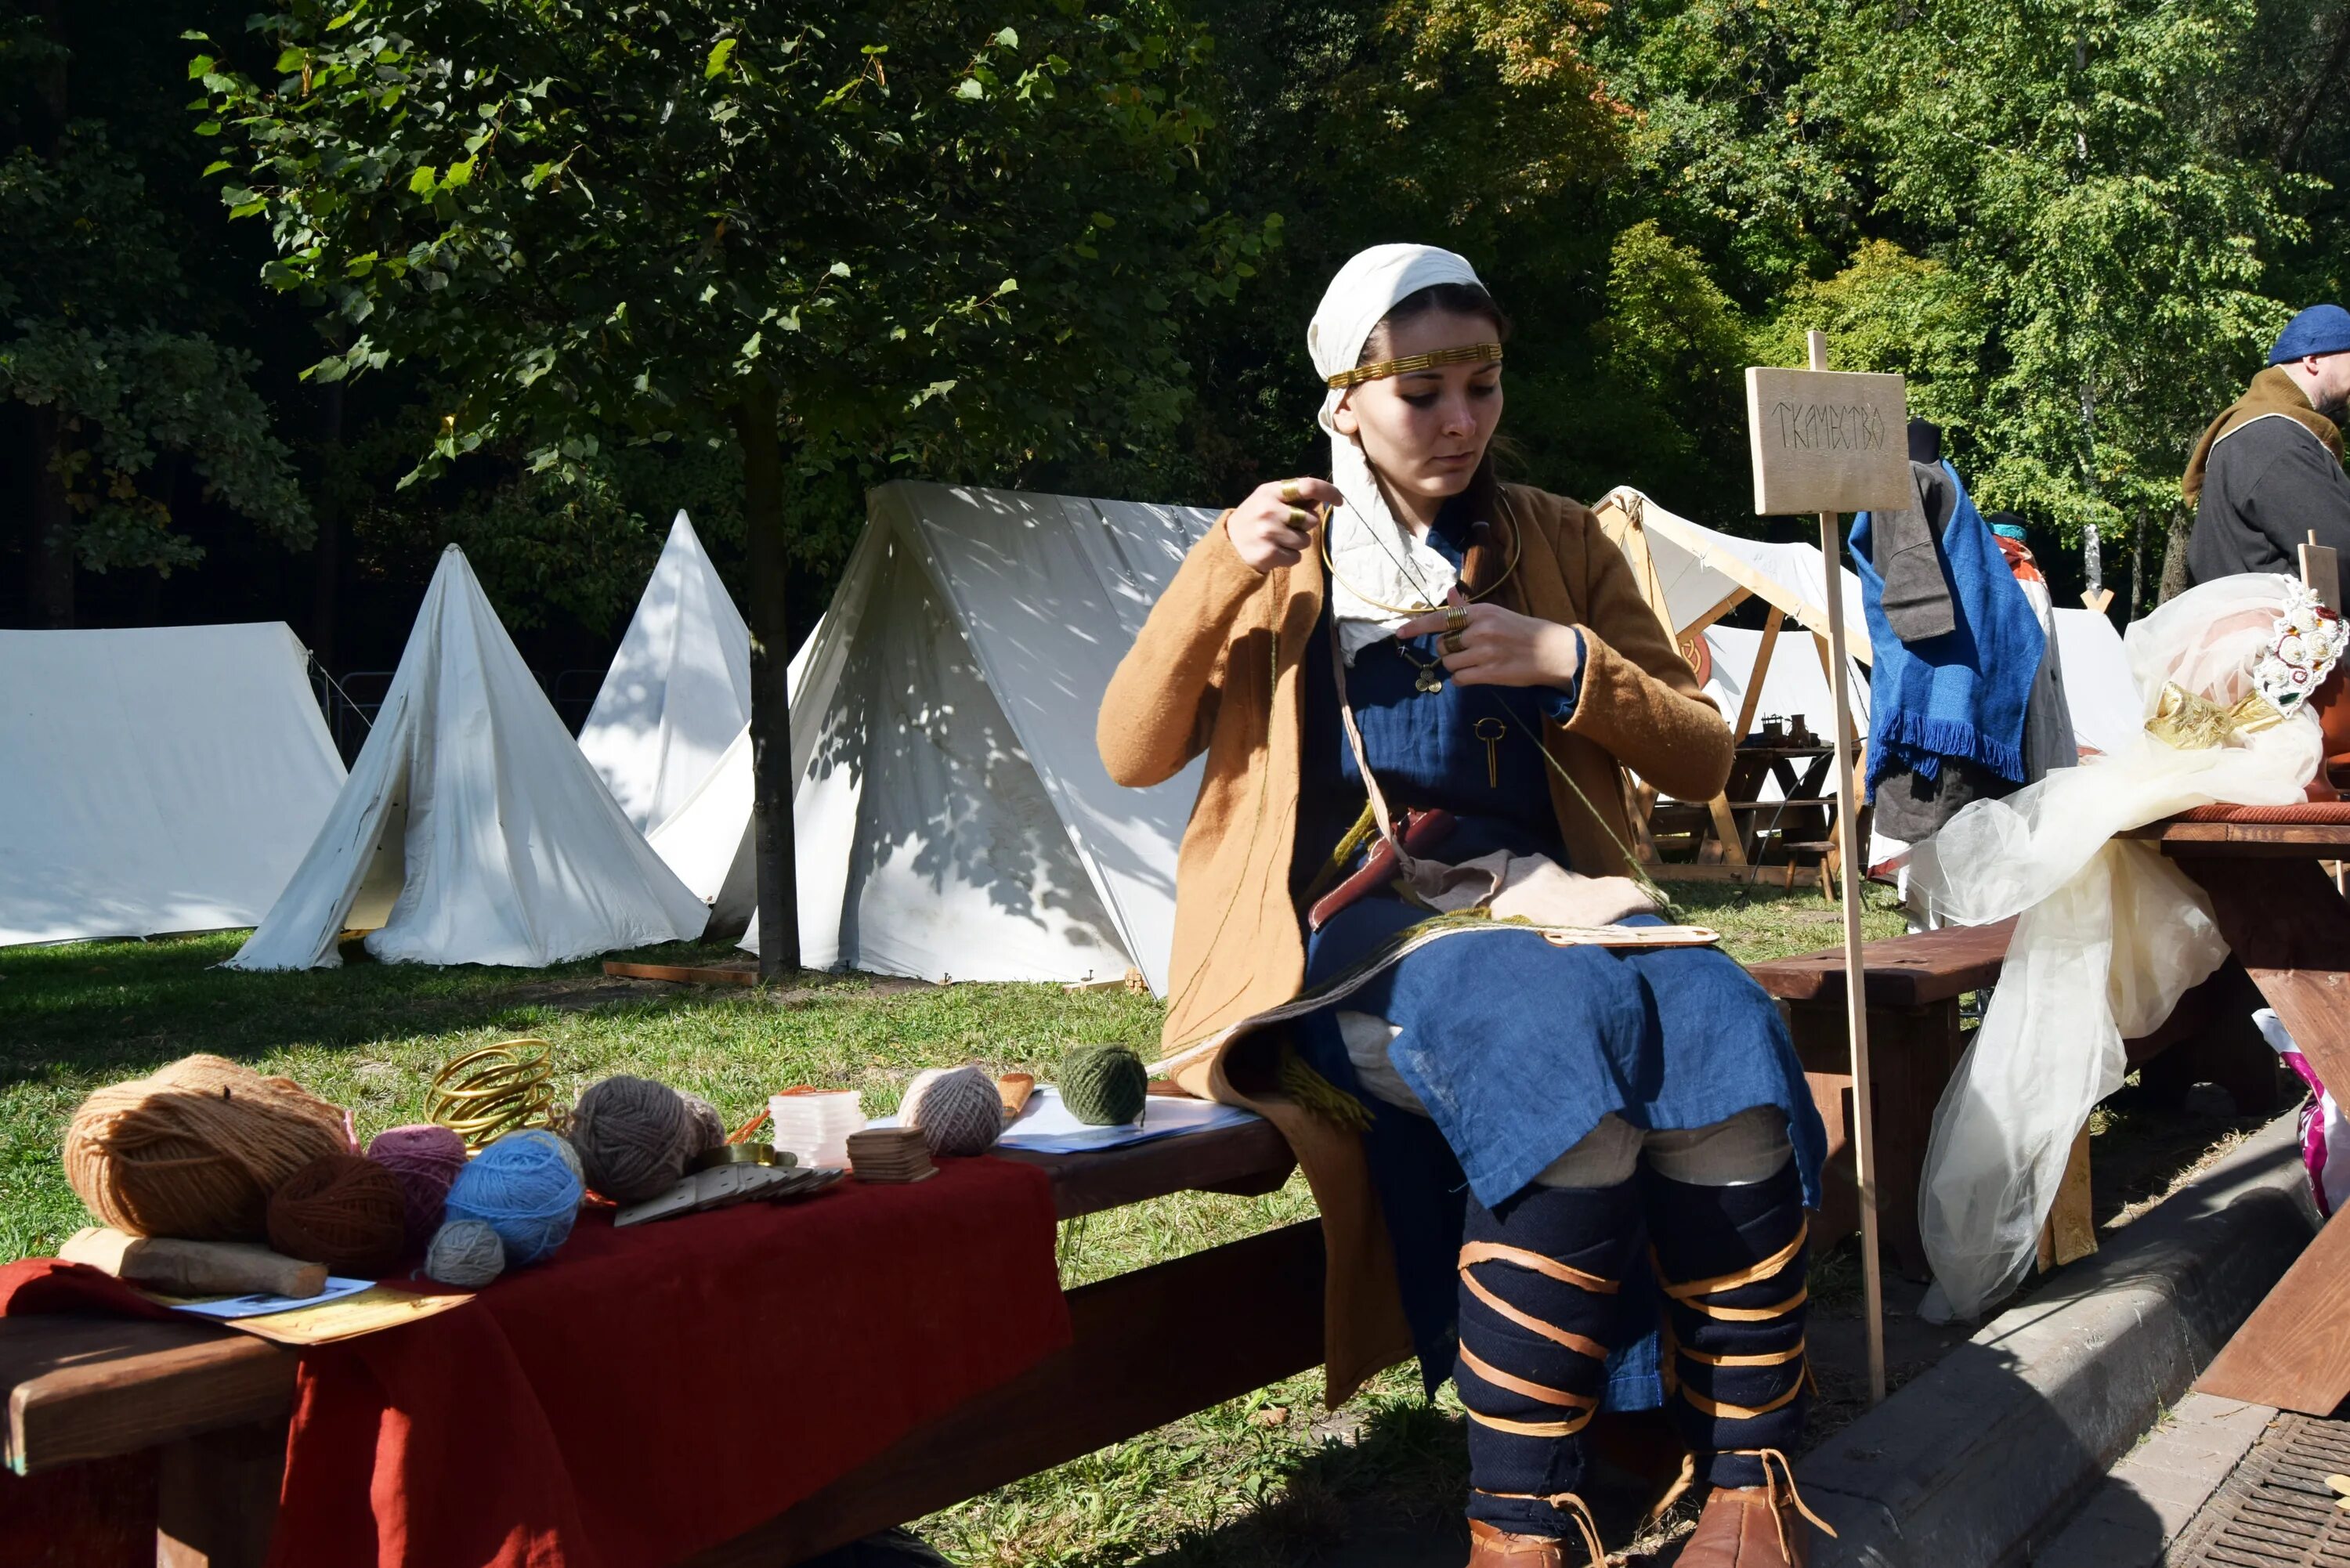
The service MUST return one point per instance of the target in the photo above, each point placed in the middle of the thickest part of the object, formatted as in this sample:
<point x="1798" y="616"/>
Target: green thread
<point x="1315" y="1093"/>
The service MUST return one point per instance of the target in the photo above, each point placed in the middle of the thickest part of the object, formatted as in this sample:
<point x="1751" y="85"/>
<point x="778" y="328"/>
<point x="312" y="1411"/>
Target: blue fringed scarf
<point x="1961" y="694"/>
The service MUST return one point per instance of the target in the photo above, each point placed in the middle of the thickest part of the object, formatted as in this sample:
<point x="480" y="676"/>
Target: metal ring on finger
<point x="1300" y="519"/>
<point x="1450" y="642"/>
<point x="1456" y="618"/>
<point x="1293" y="490"/>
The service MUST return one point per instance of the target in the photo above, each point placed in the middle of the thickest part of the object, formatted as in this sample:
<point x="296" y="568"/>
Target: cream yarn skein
<point x="957" y="1110"/>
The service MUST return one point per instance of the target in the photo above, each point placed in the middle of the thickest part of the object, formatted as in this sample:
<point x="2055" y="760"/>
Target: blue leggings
<point x="1541" y="1306"/>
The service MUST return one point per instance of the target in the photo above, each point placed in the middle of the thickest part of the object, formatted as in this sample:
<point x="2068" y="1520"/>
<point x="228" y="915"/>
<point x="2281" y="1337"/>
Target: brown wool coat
<point x="1217" y="669"/>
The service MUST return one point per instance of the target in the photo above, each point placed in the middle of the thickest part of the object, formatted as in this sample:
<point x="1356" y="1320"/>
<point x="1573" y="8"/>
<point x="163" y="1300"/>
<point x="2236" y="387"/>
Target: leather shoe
<point x="1747" y="1527"/>
<point x="1492" y="1548"/>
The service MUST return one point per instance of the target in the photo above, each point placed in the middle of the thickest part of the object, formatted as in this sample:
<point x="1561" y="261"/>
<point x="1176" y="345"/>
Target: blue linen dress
<point x="1516" y="1047"/>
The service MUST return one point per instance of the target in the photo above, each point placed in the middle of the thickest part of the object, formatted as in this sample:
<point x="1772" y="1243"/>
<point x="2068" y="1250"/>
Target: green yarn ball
<point x="1104" y="1085"/>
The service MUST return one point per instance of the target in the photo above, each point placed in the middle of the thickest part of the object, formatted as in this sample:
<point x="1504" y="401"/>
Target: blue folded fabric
<point x="1962" y="693"/>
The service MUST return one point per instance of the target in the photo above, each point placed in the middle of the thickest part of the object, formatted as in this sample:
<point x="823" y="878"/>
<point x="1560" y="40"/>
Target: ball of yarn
<point x="957" y="1110"/>
<point x="1104" y="1085"/>
<point x="562" y="1147"/>
<point x="705" y="1129"/>
<point x="194" y="1149"/>
<point x="466" y="1253"/>
<point x="344" y="1210"/>
<point x="426" y="1158"/>
<point x="521" y="1187"/>
<point x="631" y="1135"/>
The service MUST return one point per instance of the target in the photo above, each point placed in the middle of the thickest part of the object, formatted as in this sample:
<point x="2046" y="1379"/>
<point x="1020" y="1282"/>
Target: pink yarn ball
<point x="427" y="1159"/>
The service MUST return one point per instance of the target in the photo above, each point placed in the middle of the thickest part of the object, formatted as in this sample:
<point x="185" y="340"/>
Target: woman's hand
<point x="1497" y="646"/>
<point x="1273" y="527"/>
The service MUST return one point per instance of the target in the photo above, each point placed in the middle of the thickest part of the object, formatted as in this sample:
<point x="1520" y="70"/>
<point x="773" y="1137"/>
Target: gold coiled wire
<point x="495" y="1090"/>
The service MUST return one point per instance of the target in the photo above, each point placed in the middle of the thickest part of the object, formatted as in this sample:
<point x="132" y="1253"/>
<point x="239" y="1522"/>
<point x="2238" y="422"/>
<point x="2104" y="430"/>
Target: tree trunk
<point x="49" y="549"/>
<point x="2174" y="555"/>
<point x="771" y="694"/>
<point x="325" y="555"/>
<point x="2138" y="569"/>
<point x="2323" y="86"/>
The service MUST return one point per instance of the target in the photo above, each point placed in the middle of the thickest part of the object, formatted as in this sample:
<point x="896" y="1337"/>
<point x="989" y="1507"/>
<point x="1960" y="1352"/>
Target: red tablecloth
<point x="655" y="1391"/>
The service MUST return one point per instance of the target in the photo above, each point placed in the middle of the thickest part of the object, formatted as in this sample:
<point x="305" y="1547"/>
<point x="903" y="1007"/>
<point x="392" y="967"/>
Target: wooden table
<point x="2287" y="923"/>
<point x="215" y="1403"/>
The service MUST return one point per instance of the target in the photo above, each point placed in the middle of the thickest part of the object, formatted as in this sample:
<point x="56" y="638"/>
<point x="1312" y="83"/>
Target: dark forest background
<point x="2075" y="225"/>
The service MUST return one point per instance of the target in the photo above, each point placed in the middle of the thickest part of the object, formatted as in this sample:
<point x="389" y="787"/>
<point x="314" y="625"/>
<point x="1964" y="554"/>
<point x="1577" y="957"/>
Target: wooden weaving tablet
<point x="889" y="1154"/>
<point x="724" y="1185"/>
<point x="1630" y="936"/>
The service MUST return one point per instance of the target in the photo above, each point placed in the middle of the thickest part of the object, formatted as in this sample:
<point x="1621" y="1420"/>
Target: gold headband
<point x="2190" y="723"/>
<point x="1470" y="353"/>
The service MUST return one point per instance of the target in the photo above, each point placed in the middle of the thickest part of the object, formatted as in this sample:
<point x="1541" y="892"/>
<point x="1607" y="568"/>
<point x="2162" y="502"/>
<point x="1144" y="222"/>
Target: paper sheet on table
<point x="259" y="1304"/>
<point x="332" y="1316"/>
<point x="1048" y="1127"/>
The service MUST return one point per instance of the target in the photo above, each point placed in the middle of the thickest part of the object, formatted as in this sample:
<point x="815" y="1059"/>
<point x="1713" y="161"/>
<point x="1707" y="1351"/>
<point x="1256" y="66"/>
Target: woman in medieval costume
<point x="1403" y="902"/>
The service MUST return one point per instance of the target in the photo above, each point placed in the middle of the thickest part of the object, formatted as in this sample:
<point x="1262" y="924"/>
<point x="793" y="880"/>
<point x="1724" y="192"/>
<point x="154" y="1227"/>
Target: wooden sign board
<point x="1828" y="441"/>
<point x="2321" y="569"/>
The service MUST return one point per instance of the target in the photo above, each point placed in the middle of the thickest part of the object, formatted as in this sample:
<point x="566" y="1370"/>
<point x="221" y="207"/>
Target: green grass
<point x="1264" y="1480"/>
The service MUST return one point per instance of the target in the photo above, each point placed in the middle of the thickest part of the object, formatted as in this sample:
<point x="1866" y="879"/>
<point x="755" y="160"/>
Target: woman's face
<point x="1427" y="431"/>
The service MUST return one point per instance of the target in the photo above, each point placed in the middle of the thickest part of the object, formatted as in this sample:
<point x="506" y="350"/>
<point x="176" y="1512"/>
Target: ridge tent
<point x="953" y="816"/>
<point x="707" y="839"/>
<point x="2099" y="690"/>
<point x="155" y="779"/>
<point x="472" y="829"/>
<point x="1691" y="577"/>
<point x="1791" y="687"/>
<point x="679" y="688"/>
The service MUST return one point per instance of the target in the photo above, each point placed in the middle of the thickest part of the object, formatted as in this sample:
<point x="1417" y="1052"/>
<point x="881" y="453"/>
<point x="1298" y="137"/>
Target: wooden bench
<point x="214" y="1404"/>
<point x="1915" y="986"/>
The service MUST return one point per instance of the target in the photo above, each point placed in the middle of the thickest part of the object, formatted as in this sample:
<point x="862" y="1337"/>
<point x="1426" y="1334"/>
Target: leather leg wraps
<point x="1733" y="1263"/>
<point x="1539" y="1309"/>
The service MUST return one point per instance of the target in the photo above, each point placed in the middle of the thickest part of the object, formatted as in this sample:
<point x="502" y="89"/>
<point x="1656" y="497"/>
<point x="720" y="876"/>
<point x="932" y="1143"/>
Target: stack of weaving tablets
<point x="889" y="1154"/>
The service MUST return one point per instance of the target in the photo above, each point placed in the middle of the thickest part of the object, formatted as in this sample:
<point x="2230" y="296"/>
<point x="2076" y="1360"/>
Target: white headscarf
<point x="1368" y="546"/>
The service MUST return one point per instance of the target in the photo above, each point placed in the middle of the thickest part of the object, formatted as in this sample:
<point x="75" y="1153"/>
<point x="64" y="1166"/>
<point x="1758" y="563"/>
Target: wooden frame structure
<point x="1634" y="523"/>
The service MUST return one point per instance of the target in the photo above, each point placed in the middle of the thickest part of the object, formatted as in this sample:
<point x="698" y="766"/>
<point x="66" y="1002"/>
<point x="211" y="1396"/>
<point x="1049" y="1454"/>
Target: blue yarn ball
<point x="523" y="1189"/>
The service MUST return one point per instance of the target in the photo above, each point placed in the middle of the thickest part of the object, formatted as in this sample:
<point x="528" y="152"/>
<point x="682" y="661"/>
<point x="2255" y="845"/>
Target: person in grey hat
<point x="2267" y="472"/>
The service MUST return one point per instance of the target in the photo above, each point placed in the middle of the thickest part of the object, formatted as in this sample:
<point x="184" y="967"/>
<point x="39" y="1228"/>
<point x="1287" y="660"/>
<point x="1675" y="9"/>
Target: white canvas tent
<point x="678" y="690"/>
<point x="472" y="830"/>
<point x="1691" y="577"/>
<point x="2099" y="690"/>
<point x="953" y="816"/>
<point x="1792" y="686"/>
<point x="1694" y="575"/>
<point x="707" y="839"/>
<point x="157" y="779"/>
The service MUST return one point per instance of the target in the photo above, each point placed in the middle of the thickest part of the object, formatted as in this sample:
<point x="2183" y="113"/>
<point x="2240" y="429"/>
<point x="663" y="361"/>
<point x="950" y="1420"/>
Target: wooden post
<point x="1856" y="986"/>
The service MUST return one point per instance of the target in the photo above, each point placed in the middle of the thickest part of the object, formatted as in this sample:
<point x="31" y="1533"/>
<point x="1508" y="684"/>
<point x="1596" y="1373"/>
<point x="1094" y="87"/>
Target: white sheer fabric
<point x="2110" y="935"/>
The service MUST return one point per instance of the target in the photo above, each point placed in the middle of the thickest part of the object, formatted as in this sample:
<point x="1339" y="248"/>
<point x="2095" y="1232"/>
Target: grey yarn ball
<point x="957" y="1110"/>
<point x="465" y="1253"/>
<point x="631" y="1135"/>
<point x="704" y="1127"/>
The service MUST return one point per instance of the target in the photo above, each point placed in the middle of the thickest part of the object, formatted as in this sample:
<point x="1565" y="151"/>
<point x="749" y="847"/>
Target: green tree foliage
<point x="2058" y="155"/>
<point x="1480" y="125"/>
<point x="891" y="233"/>
<point x="103" y="342"/>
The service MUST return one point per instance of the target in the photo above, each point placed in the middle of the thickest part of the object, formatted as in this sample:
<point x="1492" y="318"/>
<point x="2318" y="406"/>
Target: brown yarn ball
<point x="194" y="1149"/>
<point x="343" y="1210"/>
<point x="631" y="1135"/>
